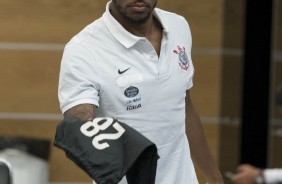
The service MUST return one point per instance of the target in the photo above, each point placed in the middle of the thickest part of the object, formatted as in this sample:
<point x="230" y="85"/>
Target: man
<point x="134" y="64"/>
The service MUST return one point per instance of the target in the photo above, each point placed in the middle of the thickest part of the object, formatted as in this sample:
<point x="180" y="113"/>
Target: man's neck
<point x="141" y="29"/>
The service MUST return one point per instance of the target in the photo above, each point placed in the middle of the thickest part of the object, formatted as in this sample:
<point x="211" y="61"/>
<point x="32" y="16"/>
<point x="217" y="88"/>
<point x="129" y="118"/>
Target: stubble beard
<point x="138" y="20"/>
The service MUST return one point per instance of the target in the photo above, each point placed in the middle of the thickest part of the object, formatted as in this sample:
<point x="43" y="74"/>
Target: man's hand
<point x="246" y="174"/>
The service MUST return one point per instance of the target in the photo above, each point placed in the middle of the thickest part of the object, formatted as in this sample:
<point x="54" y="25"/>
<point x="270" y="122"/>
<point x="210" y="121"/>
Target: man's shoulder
<point x="171" y="20"/>
<point x="168" y="15"/>
<point x="89" y="34"/>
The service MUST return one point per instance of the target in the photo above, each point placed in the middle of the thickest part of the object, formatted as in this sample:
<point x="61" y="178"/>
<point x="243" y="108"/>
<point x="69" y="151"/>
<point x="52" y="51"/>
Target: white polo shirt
<point x="121" y="73"/>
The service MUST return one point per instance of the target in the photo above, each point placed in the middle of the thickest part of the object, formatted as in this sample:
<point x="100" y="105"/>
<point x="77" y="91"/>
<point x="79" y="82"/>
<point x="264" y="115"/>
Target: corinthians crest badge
<point x="183" y="60"/>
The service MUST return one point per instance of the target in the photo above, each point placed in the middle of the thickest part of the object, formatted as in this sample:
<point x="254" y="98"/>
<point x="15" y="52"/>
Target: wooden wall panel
<point x="57" y="21"/>
<point x="29" y="81"/>
<point x="277" y="39"/>
<point x="206" y="89"/>
<point x="277" y="80"/>
<point x="233" y="39"/>
<point x="204" y="17"/>
<point x="46" y="20"/>
<point x="275" y="140"/>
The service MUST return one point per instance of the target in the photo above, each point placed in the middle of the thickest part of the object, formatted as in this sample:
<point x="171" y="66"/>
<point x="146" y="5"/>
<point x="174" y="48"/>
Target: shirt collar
<point x="120" y="33"/>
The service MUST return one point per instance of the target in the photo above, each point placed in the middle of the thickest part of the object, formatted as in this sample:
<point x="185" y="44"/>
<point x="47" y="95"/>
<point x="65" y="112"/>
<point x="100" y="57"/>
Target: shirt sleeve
<point x="188" y="40"/>
<point x="76" y="79"/>
<point x="272" y="175"/>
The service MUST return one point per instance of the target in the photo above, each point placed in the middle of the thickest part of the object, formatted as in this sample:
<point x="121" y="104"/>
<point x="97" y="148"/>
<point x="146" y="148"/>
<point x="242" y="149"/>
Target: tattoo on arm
<point x="83" y="112"/>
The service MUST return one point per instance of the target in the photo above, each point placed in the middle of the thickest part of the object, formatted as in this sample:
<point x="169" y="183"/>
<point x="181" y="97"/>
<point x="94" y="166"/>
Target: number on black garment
<point x="92" y="128"/>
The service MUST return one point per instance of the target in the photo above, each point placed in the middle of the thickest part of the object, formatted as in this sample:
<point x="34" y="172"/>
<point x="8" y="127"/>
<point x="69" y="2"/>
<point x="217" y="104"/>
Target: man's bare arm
<point x="83" y="112"/>
<point x="200" y="151"/>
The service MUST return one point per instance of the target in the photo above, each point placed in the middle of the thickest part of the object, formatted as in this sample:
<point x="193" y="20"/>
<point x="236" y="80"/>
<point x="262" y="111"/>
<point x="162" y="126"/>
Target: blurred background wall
<point x="32" y="37"/>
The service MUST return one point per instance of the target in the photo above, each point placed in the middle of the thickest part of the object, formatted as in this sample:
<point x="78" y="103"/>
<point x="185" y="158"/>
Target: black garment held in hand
<point x="108" y="158"/>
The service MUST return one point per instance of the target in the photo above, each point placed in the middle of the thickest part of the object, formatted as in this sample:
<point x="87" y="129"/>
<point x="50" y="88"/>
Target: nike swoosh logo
<point x="121" y="72"/>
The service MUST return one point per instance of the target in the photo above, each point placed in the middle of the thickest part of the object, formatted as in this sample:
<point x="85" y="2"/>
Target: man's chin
<point x="138" y="19"/>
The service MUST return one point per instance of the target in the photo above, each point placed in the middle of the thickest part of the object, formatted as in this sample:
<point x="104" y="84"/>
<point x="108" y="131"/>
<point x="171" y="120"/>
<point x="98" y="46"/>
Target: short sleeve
<point x="188" y="41"/>
<point x="77" y="78"/>
<point x="190" y="75"/>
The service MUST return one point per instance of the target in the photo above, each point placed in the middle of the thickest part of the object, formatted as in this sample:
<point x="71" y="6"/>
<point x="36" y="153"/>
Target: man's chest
<point x="140" y="79"/>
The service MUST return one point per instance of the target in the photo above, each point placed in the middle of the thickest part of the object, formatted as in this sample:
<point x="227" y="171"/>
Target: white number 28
<point x="92" y="128"/>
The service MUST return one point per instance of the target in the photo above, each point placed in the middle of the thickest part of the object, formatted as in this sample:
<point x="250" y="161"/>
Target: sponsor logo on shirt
<point x="131" y="92"/>
<point x="132" y="107"/>
<point x="133" y="101"/>
<point x="183" y="60"/>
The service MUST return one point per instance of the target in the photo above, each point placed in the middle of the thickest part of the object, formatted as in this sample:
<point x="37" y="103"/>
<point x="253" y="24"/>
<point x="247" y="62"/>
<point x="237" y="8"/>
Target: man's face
<point x="135" y="11"/>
